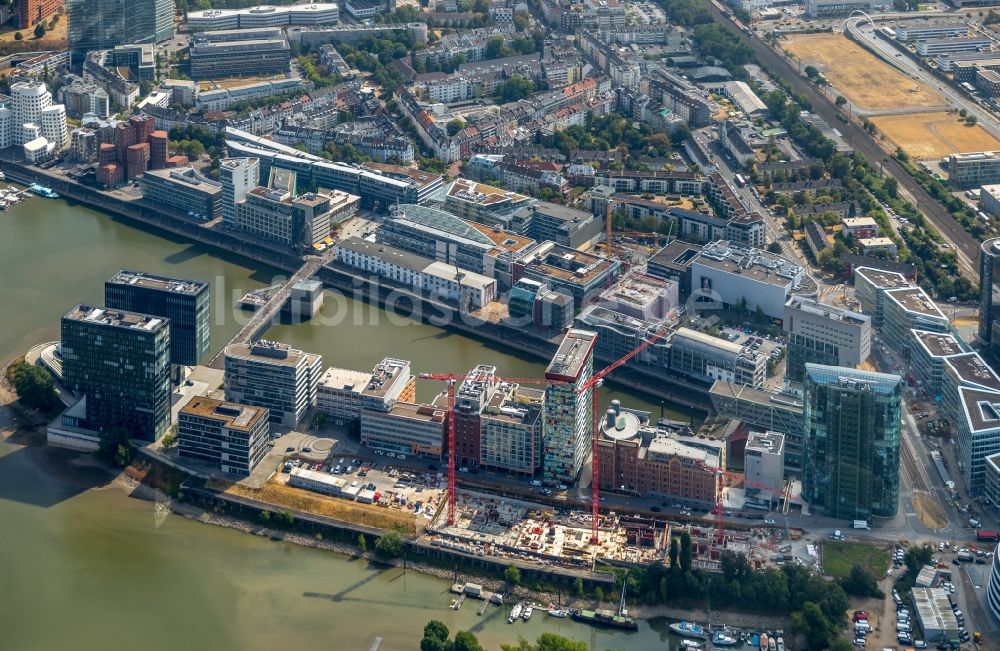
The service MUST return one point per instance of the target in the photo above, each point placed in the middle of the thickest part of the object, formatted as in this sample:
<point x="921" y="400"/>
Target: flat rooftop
<point x="749" y="262"/>
<point x="934" y="609"/>
<point x="270" y="352"/>
<point x="708" y="340"/>
<point x="831" y="312"/>
<point x="773" y="442"/>
<point x="883" y="279"/>
<point x="421" y="178"/>
<point x="662" y="447"/>
<point x="676" y="255"/>
<point x="116" y="318"/>
<point x="973" y="370"/>
<point x="156" y="282"/>
<point x="422" y="413"/>
<point x="938" y="344"/>
<point x="385" y="252"/>
<point x="385" y="375"/>
<point x="344" y="379"/>
<point x="728" y="390"/>
<point x="572" y="355"/>
<point x="482" y="194"/>
<point x="566" y="264"/>
<point x="638" y="290"/>
<point x="235" y="416"/>
<point x="916" y="300"/>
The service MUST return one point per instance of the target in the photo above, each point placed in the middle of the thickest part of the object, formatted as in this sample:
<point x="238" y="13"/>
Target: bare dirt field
<point x="934" y="134"/>
<point x="858" y="75"/>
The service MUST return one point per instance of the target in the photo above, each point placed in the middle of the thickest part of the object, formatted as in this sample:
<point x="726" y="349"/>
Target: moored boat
<point x="527" y="612"/>
<point x="720" y="638"/>
<point x="515" y="612"/>
<point x="558" y="612"/>
<point x="691" y="644"/>
<point x="605" y="618"/>
<point x="772" y="644"/>
<point x="687" y="628"/>
<point x="781" y="644"/>
<point x="763" y="642"/>
<point x="755" y="639"/>
<point x="42" y="191"/>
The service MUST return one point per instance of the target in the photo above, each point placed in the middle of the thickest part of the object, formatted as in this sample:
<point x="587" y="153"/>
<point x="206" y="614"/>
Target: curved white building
<point x="28" y="100"/>
<point x="993" y="589"/>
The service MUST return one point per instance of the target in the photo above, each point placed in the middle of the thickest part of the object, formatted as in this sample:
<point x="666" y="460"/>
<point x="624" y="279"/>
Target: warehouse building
<point x="937" y="620"/>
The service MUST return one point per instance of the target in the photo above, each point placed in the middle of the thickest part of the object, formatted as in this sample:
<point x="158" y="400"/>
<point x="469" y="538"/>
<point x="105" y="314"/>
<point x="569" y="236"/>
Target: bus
<point x="740" y="181"/>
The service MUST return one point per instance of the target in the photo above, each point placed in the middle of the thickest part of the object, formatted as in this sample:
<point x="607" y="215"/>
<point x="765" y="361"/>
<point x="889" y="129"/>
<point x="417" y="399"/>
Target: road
<point x="965" y="245"/>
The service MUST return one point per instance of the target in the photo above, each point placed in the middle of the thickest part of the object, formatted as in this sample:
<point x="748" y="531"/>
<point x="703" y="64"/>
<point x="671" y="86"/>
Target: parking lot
<point x="393" y="486"/>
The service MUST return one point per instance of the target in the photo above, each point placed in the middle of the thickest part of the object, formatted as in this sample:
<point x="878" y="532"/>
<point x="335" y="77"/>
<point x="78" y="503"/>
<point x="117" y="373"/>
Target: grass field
<point x="840" y="557"/>
<point x="934" y="134"/>
<point x="283" y="496"/>
<point x="858" y="75"/>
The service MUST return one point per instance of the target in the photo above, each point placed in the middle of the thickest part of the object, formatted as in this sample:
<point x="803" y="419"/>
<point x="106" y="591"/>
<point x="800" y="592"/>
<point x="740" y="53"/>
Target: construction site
<point x="522" y="531"/>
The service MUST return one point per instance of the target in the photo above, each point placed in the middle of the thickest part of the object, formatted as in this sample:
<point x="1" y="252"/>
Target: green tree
<point x="168" y="440"/>
<point x="548" y="642"/>
<point x="841" y="100"/>
<point x="389" y="545"/>
<point x="18" y="36"/>
<point x="115" y="446"/>
<point x="514" y="89"/>
<point x="512" y="575"/>
<point x="674" y="553"/>
<point x="598" y="594"/>
<point x="39" y="30"/>
<point x="971" y="121"/>
<point x="362" y="543"/>
<point x="774" y="247"/>
<point x="685" y="551"/>
<point x="578" y="587"/>
<point x="435" y="637"/>
<point x="860" y="583"/>
<point x="466" y="641"/>
<point x="455" y="126"/>
<point x="34" y="385"/>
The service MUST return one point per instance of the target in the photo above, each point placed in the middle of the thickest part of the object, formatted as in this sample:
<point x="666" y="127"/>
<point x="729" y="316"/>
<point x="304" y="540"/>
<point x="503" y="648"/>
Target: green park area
<point x="839" y="557"/>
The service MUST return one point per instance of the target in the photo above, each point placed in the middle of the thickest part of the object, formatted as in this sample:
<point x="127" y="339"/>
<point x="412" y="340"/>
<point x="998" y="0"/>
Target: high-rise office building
<point x="184" y="302"/>
<point x="568" y="416"/>
<point x="989" y="292"/>
<point x="120" y="361"/>
<point x="852" y="430"/>
<point x="823" y="334"/>
<point x="238" y="176"/>
<point x="273" y="375"/>
<point x="103" y="24"/>
<point x="229" y="436"/>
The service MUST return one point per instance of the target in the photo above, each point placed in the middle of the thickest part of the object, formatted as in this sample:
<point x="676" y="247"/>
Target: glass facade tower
<point x="103" y="24"/>
<point x="852" y="438"/>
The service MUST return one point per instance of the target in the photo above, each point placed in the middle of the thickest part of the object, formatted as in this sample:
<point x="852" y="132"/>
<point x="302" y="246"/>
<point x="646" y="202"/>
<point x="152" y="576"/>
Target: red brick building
<point x="642" y="461"/>
<point x="158" y="143"/>
<point x="31" y="12"/>
<point x="138" y="160"/>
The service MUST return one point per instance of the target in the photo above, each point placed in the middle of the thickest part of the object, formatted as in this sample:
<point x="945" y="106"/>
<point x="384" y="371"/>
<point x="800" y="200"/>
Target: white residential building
<point x="28" y="100"/>
<point x="54" y="128"/>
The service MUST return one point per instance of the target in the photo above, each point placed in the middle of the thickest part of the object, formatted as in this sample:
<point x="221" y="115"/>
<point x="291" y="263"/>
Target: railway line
<point x="966" y="246"/>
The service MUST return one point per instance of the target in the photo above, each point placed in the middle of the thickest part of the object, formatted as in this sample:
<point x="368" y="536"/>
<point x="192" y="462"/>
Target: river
<point x="82" y="566"/>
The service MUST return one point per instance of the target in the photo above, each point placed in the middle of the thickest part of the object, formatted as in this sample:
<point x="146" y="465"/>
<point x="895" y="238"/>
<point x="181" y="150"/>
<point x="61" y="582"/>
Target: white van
<point x="903" y="628"/>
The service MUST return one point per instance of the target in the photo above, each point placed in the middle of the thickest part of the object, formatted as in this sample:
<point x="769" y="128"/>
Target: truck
<point x="860" y="524"/>
<point x="988" y="535"/>
<point x="966" y="556"/>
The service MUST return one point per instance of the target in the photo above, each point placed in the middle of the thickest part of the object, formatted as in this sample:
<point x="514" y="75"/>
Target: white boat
<point x="781" y="644"/>
<point x="515" y="612"/>
<point x="2" y="176"/>
<point x="687" y="628"/>
<point x="720" y="638"/>
<point x="690" y="644"/>
<point x="558" y="612"/>
<point x="527" y="613"/>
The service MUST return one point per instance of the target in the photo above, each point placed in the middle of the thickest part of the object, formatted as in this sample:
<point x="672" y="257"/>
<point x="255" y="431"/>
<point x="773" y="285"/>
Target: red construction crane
<point x="719" y="509"/>
<point x="593" y="383"/>
<point x="451" y="379"/>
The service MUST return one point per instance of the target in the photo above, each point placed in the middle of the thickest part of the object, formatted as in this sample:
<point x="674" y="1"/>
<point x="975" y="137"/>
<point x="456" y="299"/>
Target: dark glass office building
<point x="121" y="362"/>
<point x="184" y="302"/>
<point x="852" y="431"/>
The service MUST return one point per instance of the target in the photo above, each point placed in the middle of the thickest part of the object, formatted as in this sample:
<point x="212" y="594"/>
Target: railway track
<point x="965" y="245"/>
